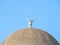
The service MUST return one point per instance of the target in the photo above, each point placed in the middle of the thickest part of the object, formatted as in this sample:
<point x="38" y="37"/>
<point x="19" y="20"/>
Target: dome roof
<point x="30" y="36"/>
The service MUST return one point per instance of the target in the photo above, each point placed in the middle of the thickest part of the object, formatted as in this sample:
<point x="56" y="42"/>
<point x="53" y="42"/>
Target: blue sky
<point x="45" y="13"/>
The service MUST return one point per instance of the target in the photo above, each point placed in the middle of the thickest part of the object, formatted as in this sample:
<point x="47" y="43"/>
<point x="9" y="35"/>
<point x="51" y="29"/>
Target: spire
<point x="29" y="22"/>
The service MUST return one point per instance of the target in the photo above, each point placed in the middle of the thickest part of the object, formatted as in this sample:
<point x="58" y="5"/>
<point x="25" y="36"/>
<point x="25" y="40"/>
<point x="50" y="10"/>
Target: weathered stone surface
<point x="30" y="36"/>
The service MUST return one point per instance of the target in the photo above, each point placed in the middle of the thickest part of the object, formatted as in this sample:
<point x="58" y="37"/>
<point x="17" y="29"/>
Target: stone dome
<point x="30" y="36"/>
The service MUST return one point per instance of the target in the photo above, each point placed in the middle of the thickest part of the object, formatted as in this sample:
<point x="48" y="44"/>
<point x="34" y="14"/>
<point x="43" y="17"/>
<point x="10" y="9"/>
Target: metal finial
<point x="29" y="22"/>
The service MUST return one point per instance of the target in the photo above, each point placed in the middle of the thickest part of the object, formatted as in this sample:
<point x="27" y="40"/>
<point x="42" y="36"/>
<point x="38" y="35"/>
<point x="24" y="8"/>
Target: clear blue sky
<point x="45" y="13"/>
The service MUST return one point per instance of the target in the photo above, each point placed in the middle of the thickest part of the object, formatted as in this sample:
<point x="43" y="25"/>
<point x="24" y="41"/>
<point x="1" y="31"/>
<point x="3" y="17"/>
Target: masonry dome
<point x="30" y="36"/>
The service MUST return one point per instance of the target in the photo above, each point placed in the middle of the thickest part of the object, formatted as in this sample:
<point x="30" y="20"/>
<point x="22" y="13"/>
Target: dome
<point x="30" y="36"/>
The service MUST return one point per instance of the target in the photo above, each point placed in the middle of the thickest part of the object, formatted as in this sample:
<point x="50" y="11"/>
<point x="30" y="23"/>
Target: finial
<point x="29" y="22"/>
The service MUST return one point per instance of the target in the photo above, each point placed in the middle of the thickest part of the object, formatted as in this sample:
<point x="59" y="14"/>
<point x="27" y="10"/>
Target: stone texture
<point x="30" y="36"/>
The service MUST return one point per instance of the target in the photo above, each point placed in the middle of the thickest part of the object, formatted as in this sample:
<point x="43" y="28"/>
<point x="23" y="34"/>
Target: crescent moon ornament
<point x="29" y="22"/>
